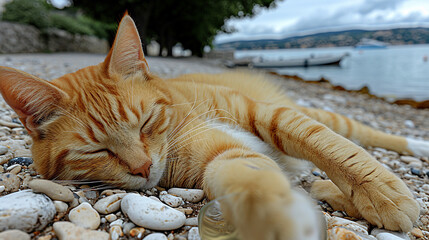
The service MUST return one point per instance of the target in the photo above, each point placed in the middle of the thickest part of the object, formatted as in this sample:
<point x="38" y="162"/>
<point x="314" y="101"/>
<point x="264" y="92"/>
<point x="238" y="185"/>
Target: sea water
<point x="396" y="72"/>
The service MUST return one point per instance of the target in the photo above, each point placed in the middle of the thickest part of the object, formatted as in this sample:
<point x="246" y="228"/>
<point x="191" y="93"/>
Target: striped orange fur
<point x="105" y="121"/>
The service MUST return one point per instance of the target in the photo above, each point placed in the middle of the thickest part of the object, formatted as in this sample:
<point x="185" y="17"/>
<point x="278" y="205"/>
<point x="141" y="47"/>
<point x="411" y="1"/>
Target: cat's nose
<point x="143" y="171"/>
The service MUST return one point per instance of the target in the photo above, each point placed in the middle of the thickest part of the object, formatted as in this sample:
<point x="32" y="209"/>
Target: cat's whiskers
<point x="198" y="127"/>
<point x="183" y="146"/>
<point x="198" y="117"/>
<point x="179" y="126"/>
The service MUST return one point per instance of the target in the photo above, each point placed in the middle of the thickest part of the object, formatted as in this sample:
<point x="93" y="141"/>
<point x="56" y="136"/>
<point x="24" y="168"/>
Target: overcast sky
<point x="292" y="17"/>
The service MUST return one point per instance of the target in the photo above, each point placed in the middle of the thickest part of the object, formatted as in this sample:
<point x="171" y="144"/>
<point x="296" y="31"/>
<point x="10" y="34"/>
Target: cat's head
<point x="107" y="122"/>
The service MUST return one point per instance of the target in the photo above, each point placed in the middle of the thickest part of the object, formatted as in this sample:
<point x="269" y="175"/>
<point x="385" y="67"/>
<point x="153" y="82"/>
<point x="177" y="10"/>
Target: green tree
<point x="193" y="23"/>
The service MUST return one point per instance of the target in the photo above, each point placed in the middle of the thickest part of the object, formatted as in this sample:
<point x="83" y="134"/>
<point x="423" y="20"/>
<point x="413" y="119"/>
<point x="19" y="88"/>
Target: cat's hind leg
<point x="259" y="200"/>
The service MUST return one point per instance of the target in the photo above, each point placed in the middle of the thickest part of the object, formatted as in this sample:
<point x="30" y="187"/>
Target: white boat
<point x="366" y="43"/>
<point x="299" y="62"/>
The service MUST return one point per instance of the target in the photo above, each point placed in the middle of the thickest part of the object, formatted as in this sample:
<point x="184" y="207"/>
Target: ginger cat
<point x="118" y="123"/>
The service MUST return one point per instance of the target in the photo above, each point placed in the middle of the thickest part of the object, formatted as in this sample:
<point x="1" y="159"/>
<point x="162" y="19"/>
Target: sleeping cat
<point x="119" y="123"/>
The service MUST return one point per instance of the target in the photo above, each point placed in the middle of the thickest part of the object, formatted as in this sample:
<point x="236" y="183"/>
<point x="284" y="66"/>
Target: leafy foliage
<point x="32" y="12"/>
<point x="43" y="15"/>
<point x="193" y="23"/>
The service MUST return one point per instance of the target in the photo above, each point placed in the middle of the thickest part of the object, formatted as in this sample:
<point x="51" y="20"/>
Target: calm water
<point x="394" y="72"/>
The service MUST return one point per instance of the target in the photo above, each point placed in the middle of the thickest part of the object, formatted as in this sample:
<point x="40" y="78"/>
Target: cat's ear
<point x="126" y="56"/>
<point x="32" y="98"/>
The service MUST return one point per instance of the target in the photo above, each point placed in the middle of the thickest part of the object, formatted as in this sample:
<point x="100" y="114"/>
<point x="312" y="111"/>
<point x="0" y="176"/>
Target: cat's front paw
<point x="276" y="218"/>
<point x="386" y="202"/>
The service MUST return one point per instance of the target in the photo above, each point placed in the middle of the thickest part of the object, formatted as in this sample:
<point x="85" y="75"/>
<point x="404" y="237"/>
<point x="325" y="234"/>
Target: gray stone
<point x="26" y="211"/>
<point x="3" y="149"/>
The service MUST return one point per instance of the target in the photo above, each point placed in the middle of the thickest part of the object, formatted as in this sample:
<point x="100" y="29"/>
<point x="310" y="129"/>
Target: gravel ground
<point x="16" y="170"/>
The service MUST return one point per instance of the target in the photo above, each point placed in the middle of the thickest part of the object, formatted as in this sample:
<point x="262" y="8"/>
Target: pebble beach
<point x="32" y="208"/>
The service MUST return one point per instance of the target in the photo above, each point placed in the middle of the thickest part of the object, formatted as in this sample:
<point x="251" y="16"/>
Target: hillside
<point x="399" y="36"/>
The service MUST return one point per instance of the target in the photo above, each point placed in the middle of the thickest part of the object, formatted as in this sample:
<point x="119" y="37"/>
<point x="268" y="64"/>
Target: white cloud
<point x="297" y="16"/>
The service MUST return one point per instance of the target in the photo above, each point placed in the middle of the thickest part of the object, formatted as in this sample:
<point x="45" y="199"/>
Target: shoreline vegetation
<point x="364" y="90"/>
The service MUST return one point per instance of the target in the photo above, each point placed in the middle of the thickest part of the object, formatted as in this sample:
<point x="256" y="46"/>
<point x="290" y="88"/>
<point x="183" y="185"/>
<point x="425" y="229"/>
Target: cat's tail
<point x="367" y="136"/>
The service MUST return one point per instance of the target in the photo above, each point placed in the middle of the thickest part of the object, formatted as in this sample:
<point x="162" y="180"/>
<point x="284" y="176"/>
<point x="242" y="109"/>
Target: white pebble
<point x="85" y="216"/>
<point x="14" y="235"/>
<point x="111" y="217"/>
<point x="127" y="227"/>
<point x="2" y="188"/>
<point x="69" y="231"/>
<point x="193" y="221"/>
<point x="151" y="214"/>
<point x="115" y="232"/>
<point x="193" y="234"/>
<point x="61" y="206"/>
<point x="190" y="195"/>
<point x="118" y="222"/>
<point x="382" y="234"/>
<point x="170" y="200"/>
<point x="155" y="236"/>
<point x="409" y="123"/>
<point x="26" y="211"/>
<point x="109" y="204"/>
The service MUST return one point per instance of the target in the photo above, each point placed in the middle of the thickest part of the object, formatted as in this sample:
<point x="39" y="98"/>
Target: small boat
<point x="366" y="43"/>
<point x="299" y="62"/>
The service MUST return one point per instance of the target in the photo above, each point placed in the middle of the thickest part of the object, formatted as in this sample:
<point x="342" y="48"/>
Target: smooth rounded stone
<point x="23" y="153"/>
<point x="417" y="233"/>
<point x="416" y="171"/>
<point x="24" y="161"/>
<point x="409" y="159"/>
<point x="85" y="216"/>
<point x="109" y="204"/>
<point x="53" y="190"/>
<point x="115" y="232"/>
<point x="415" y="164"/>
<point x="193" y="221"/>
<point x="339" y="233"/>
<point x="60" y="206"/>
<point x="111" y="217"/>
<point x="118" y="222"/>
<point x="190" y="195"/>
<point x="170" y="200"/>
<point x="14" y="235"/>
<point x="26" y="211"/>
<point x="425" y="187"/>
<point x="127" y="227"/>
<point x="332" y="222"/>
<point x="2" y="188"/>
<point x="3" y="150"/>
<point x="156" y="236"/>
<point x="10" y="182"/>
<point x="137" y="232"/>
<point x="5" y="158"/>
<point x="69" y="231"/>
<point x="382" y="234"/>
<point x="151" y="214"/>
<point x="193" y="234"/>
